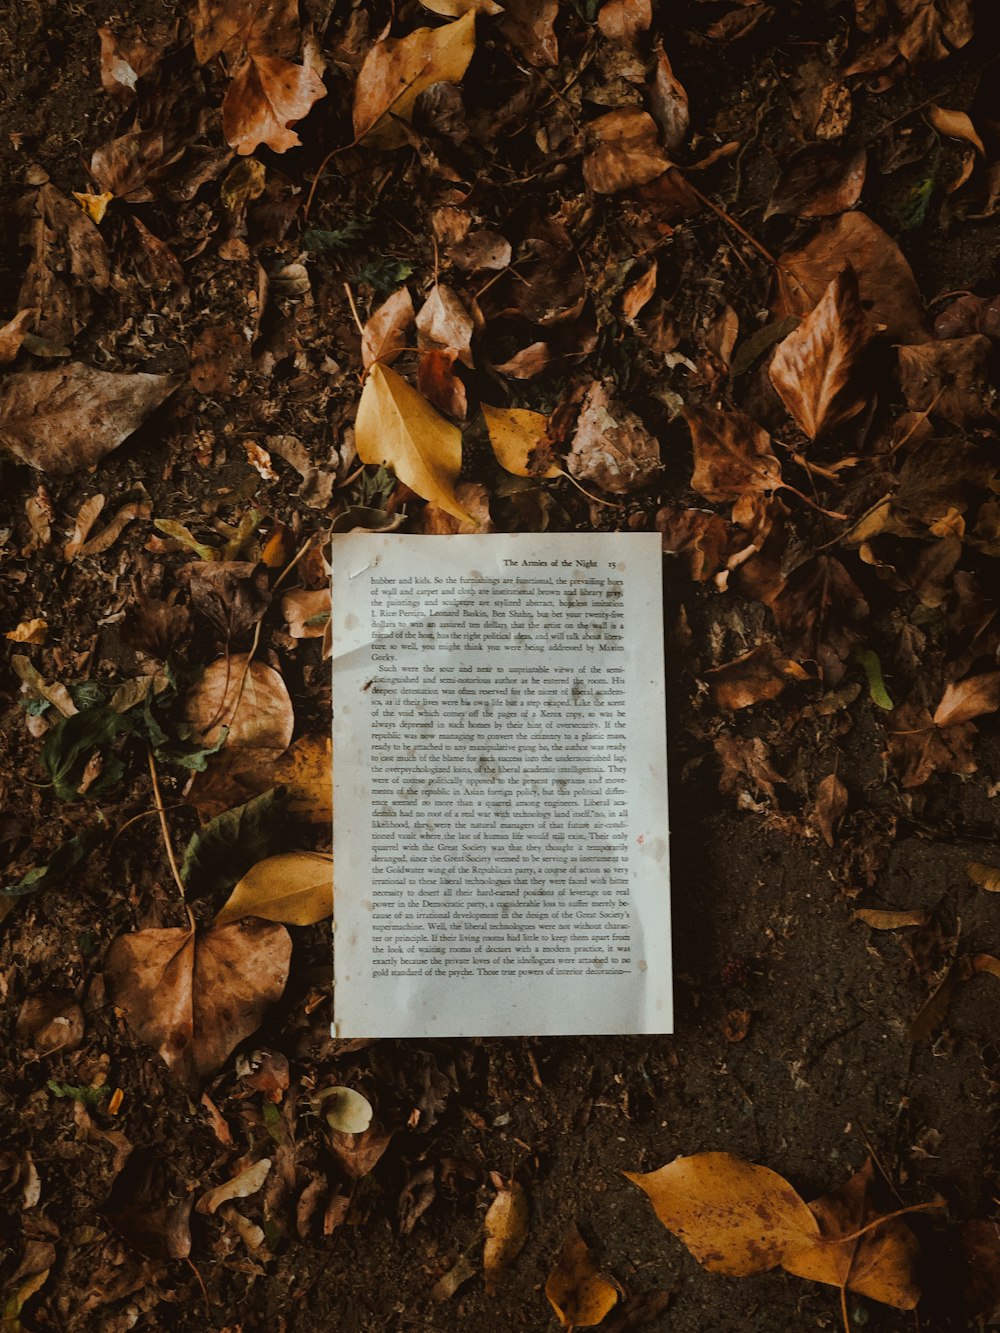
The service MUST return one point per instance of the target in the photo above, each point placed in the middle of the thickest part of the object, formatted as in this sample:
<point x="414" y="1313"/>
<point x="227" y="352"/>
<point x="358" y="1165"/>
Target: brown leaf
<point x="624" y="20"/>
<point x="529" y="25"/>
<point x="734" y="1217"/>
<point x="954" y="124"/>
<point x="384" y="334"/>
<point x="444" y="322"/>
<point x="474" y="499"/>
<point x="577" y="1290"/>
<point x="888" y="289"/>
<point x="984" y="876"/>
<point x="700" y="535"/>
<point x="232" y="595"/>
<point x="249" y="698"/>
<point x="881" y="1264"/>
<point x="918" y="748"/>
<point x="745" y="763"/>
<point x="815" y="369"/>
<point x="69" y="263"/>
<point x="612" y="446"/>
<point x="194" y="996"/>
<point x="12" y="334"/>
<point x="668" y="102"/>
<point x="481" y="249"/>
<point x="438" y="383"/>
<point x="225" y="27"/>
<point x="879" y="919"/>
<point x="628" y="151"/>
<point x="307" y="611"/>
<point x="638" y="293"/>
<point x="732" y="455"/>
<point x="980" y="1241"/>
<point x="358" y="1154"/>
<point x="305" y="770"/>
<point x="266" y="97"/>
<point x="506" y="1230"/>
<point x="757" y="676"/>
<point x="949" y="377"/>
<point x="50" y="1023"/>
<point x="127" y="56"/>
<point x="398" y="69"/>
<point x="61" y="420"/>
<point x="241" y="1186"/>
<point x="830" y="807"/>
<point x="128" y="167"/>
<point x="819" y="181"/>
<point x="969" y="698"/>
<point x="820" y="613"/>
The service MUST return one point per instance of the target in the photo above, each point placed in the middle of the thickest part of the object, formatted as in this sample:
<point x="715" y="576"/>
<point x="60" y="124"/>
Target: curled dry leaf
<point x="295" y="888"/>
<point x="732" y="455"/>
<point x="640" y="292"/>
<point x="61" y="420"/>
<point x="194" y="996"/>
<point x="815" y="369"/>
<point x="241" y="1186"/>
<point x="955" y="124"/>
<point x="384" y="334"/>
<point x="398" y="428"/>
<point x="12" y="334"/>
<point x="949" y="377"/>
<point x="986" y="877"/>
<point x="668" y="102"/>
<point x="887" y="287"/>
<point x="249" y="698"/>
<point x="628" y="151"/>
<point x="611" y="445"/>
<point x="506" y="1230"/>
<point x="887" y="919"/>
<point x="266" y="97"/>
<point x="29" y="631"/>
<point x="577" y="1290"/>
<point x="398" y="69"/>
<point x="758" y="675"/>
<point x="307" y="611"/>
<point x="969" y="698"/>
<point x="518" y="438"/>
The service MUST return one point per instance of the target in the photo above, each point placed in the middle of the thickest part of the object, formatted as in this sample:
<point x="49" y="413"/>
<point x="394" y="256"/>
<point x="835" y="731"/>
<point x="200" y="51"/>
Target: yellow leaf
<point x="888" y="920"/>
<point x="506" y="1230"/>
<point x="395" y="426"/>
<point x="94" y="205"/>
<point x="29" y="631"/>
<point x="578" y="1292"/>
<point x="398" y="69"/>
<point x="453" y="9"/>
<point x="295" y="888"/>
<point x="986" y="877"/>
<point x="734" y="1217"/>
<point x="515" y="435"/>
<point x="955" y="125"/>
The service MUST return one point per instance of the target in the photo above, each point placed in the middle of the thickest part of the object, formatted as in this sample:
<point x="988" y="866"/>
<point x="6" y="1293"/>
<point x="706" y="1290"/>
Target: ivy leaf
<point x="72" y="741"/>
<point x="225" y="848"/>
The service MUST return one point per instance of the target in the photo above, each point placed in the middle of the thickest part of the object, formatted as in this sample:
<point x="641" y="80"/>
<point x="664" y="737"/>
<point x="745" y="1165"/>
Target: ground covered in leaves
<point x="725" y="271"/>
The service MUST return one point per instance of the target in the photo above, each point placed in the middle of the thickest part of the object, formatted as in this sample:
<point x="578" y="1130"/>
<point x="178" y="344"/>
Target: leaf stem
<point x="164" y="828"/>
<point x="879" y="1221"/>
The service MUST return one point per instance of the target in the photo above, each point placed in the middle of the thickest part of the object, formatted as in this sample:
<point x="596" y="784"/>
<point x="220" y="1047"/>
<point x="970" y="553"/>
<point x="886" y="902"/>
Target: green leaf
<point x="876" y="684"/>
<point x="385" y="275"/>
<point x="89" y="1096"/>
<point x="225" y="848"/>
<point x="70" y="854"/>
<point x="319" y="241"/>
<point x="72" y="741"/>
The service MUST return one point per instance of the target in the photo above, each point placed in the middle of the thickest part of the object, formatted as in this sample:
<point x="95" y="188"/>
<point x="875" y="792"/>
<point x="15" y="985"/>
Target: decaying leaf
<point x="668" y="102"/>
<point x="887" y="919"/>
<point x="577" y="1290"/>
<point x="241" y="1186"/>
<point x="29" y="631"/>
<point x="969" y="698"/>
<point x="530" y="26"/>
<point x="61" y="420"/>
<point x="829" y="807"/>
<point x="627" y="152"/>
<point x="611" y="445"/>
<point x="193" y="996"/>
<point x="819" y="181"/>
<point x="12" y="334"/>
<point x="384" y="334"/>
<point x="758" y="675"/>
<point x="955" y="124"/>
<point x="398" y="69"/>
<point x="69" y="264"/>
<point x="506" y="1230"/>
<point x="247" y="697"/>
<point x="443" y="321"/>
<point x="266" y="97"/>
<point x="949" y="377"/>
<point x="732" y="455"/>
<point x="295" y="888"/>
<point x="398" y="428"/>
<point x="518" y="438"/>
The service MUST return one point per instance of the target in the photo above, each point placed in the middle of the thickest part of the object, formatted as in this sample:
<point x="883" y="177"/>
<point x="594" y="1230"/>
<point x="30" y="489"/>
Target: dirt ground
<point x="794" y="1046"/>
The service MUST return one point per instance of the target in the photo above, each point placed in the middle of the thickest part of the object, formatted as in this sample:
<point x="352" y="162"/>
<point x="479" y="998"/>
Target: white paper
<point x="500" y="794"/>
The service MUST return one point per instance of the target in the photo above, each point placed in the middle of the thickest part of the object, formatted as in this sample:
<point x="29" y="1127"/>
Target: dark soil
<point x="793" y="1045"/>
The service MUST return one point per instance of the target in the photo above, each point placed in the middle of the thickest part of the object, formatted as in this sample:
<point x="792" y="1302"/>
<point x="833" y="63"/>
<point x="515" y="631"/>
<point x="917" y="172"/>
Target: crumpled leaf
<point x="965" y="699"/>
<point x="815" y="369"/>
<point x="396" y="427"/>
<point x="918" y="748"/>
<point x="732" y="455"/>
<point x="397" y="70"/>
<point x="734" y="1217"/>
<point x="506" y="1227"/>
<point x="384" y="334"/>
<point x="241" y="1186"/>
<point x="34" y="630"/>
<point x="949" y="377"/>
<point x="232" y="595"/>
<point x="267" y="96"/>
<point x="295" y="888"/>
<point x="225" y="848"/>
<point x="518" y="437"/>
<point x="628" y="151"/>
<point x="577" y="1290"/>
<point x="887" y="287"/>
<point x="247" y="697"/>
<point x="194" y="996"/>
<point x="611" y="445"/>
<point x="756" y="676"/>
<point x="61" y="420"/>
<point x="955" y="124"/>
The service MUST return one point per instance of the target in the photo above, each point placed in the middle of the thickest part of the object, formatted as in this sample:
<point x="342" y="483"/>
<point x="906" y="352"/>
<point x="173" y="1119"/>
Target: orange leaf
<point x="732" y="455"/>
<point x="268" y="95"/>
<point x="577" y="1290"/>
<point x="758" y="675"/>
<point x="506" y="1230"/>
<point x="968" y="698"/>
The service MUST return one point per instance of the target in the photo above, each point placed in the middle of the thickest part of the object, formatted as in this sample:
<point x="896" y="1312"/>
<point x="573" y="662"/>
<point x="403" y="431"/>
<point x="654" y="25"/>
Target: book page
<point x="500" y="795"/>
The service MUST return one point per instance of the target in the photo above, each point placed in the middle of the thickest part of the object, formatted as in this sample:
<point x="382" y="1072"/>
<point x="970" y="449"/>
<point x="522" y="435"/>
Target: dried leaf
<point x="628" y="151"/>
<point x="443" y="321"/>
<point x="439" y="384"/>
<point x="668" y="102"/>
<point x="110" y="533"/>
<point x="395" y="427"/>
<point x="518" y="438"/>
<point x="830" y="807"/>
<point x="815" y="369"/>
<point x="506" y="1227"/>
<point x="734" y="1217"/>
<point x="577" y="1290"/>
<point x="249" y="698"/>
<point x="226" y="26"/>
<point x="474" y="499"/>
<point x="295" y="888"/>
<point x="384" y="334"/>
<point x="887" y="287"/>
<point x="307" y="611"/>
<point x="344" y="1109"/>
<point x="638" y="293"/>
<point x="241" y="1186"/>
<point x="625" y="20"/>
<point x="29" y="631"/>
<point x="530" y="26"/>
<point x="745" y="763"/>
<point x="61" y="420"/>
<point x="454" y="9"/>
<point x="193" y="997"/>
<point x="266" y="97"/>
<point x="984" y="876"/>
<point x="819" y="181"/>
<point x="358" y="1154"/>
<point x="611" y="445"/>
<point x="481" y="249"/>
<point x="949" y="377"/>
<point x="69" y="263"/>
<point x="398" y="69"/>
<point x="969" y="698"/>
<point x="757" y="676"/>
<point x="732" y="455"/>
<point x="879" y="919"/>
<point x="12" y="334"/>
<point x="304" y="771"/>
<point x="954" y="124"/>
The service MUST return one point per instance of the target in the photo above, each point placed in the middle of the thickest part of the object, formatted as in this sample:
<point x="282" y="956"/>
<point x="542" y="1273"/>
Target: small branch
<point x="721" y="213"/>
<point x="164" y="828"/>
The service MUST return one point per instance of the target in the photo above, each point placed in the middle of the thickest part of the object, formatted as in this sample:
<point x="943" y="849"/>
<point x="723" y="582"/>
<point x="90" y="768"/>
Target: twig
<point x="164" y="828"/>
<point x="721" y="213"/>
